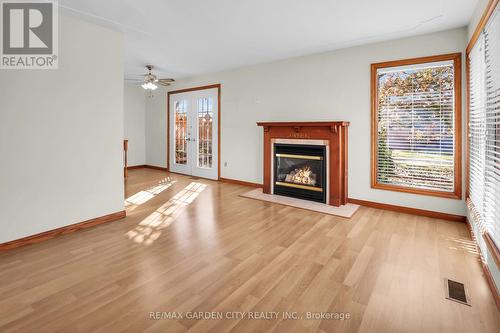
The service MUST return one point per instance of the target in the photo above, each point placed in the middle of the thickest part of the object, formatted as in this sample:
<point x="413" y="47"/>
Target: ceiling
<point x="189" y="37"/>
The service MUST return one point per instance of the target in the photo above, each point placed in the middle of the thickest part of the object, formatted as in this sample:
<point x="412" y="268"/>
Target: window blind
<point x="492" y="168"/>
<point x="484" y="128"/>
<point x="477" y="125"/>
<point x="415" y="129"/>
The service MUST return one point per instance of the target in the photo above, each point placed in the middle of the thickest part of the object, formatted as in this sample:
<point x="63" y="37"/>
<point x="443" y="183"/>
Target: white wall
<point x="156" y="127"/>
<point x="61" y="135"/>
<point x="329" y="86"/>
<point x="135" y="123"/>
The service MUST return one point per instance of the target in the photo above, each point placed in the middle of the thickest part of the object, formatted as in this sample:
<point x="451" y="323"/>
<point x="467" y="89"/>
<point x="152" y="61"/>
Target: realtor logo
<point x="29" y="35"/>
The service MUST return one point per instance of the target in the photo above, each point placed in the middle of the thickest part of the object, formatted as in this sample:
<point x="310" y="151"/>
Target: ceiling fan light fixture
<point x="149" y="86"/>
<point x="151" y="81"/>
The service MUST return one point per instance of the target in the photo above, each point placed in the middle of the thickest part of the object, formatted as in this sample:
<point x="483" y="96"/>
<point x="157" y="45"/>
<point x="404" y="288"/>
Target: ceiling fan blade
<point x="163" y="83"/>
<point x="167" y="80"/>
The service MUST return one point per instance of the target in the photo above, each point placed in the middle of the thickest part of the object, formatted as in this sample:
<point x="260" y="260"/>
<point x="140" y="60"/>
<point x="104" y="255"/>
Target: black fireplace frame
<point x="306" y="150"/>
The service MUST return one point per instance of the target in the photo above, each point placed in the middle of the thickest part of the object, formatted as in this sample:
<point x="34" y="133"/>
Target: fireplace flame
<point x="302" y="176"/>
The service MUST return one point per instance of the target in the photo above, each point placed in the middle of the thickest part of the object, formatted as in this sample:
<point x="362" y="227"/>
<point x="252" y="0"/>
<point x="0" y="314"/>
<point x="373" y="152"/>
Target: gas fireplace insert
<point x="300" y="171"/>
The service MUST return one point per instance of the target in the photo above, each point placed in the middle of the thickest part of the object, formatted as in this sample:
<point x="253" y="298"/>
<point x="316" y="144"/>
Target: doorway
<point x="193" y="131"/>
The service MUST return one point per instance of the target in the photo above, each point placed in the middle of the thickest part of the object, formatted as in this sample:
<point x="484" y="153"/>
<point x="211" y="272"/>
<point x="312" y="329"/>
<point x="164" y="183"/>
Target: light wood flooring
<point x="192" y="245"/>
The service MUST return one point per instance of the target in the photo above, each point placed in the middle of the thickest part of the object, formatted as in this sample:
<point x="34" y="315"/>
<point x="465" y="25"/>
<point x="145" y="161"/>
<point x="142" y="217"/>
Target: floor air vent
<point x="456" y="291"/>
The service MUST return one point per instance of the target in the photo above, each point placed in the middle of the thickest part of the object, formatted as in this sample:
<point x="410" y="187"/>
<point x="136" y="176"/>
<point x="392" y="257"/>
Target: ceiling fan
<point x="151" y="81"/>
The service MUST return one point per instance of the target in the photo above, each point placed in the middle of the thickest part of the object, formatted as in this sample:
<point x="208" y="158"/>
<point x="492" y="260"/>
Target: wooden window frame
<point x="457" y="163"/>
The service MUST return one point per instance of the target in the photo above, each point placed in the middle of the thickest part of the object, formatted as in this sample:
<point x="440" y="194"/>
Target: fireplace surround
<point x="330" y="136"/>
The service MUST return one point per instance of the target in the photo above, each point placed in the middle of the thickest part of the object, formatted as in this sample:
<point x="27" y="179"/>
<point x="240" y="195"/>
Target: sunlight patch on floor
<point x="141" y="197"/>
<point x="464" y="244"/>
<point x="149" y="229"/>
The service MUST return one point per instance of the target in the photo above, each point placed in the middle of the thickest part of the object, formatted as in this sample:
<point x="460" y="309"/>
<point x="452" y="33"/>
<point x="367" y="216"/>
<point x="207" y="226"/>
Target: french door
<point x="194" y="133"/>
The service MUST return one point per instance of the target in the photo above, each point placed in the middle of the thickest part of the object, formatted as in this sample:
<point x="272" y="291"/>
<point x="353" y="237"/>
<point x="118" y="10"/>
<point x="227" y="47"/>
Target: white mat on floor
<point x="343" y="211"/>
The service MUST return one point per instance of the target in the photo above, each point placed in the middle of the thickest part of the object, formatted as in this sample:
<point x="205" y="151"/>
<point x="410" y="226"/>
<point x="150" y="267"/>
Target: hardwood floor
<point x="192" y="245"/>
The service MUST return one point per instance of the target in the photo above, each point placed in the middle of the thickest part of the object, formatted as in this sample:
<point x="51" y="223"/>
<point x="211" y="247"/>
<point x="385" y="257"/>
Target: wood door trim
<point x="457" y="163"/>
<point x="61" y="231"/>
<point x="179" y="91"/>
<point x="467" y="110"/>
<point x="125" y="158"/>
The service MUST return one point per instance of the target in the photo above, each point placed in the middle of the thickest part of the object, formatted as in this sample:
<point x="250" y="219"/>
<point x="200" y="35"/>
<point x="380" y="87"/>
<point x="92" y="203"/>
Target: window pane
<point x="181" y="132"/>
<point x="205" y="117"/>
<point x="415" y="118"/>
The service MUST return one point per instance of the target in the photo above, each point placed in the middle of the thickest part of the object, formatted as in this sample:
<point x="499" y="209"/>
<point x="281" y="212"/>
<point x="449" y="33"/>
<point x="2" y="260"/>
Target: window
<point x="416" y="136"/>
<point x="205" y="123"/>
<point x="181" y="132"/>
<point x="484" y="129"/>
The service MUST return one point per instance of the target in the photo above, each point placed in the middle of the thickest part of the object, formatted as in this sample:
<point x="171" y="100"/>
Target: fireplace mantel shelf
<point x="298" y="125"/>
<point x="333" y="132"/>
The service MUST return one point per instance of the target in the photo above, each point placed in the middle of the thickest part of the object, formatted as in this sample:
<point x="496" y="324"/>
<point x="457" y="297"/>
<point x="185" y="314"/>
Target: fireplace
<point x="300" y="171"/>
<point x="318" y="171"/>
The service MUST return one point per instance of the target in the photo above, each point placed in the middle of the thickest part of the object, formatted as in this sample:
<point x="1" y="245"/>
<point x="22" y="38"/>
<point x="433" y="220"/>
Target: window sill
<point x="449" y="195"/>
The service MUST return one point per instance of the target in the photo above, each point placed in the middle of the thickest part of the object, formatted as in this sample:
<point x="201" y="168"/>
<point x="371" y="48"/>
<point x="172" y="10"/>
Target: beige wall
<point x="328" y="86"/>
<point x="61" y="135"/>
<point x="156" y="128"/>
<point x="135" y="123"/>
<point x="476" y="17"/>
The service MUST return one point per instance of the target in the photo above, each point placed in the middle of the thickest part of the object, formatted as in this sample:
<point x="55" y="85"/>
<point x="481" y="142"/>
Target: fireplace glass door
<point x="300" y="171"/>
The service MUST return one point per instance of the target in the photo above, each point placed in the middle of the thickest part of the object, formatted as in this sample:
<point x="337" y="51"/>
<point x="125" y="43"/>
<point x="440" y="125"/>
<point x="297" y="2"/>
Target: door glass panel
<point x="205" y="117"/>
<point x="181" y="144"/>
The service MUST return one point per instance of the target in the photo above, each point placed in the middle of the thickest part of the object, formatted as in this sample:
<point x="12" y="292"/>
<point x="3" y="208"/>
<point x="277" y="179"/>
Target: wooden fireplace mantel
<point x="334" y="132"/>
